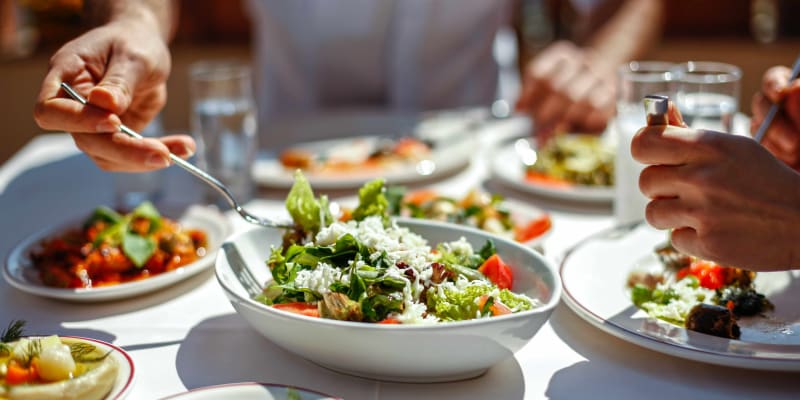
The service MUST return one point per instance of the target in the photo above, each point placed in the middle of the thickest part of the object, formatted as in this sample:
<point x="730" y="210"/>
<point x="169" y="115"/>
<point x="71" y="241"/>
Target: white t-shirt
<point x="314" y="55"/>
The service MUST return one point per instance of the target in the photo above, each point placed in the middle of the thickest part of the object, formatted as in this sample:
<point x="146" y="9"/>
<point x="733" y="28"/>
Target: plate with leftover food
<point x="251" y="391"/>
<point x="629" y="282"/>
<point x="489" y="212"/>
<point x="350" y="162"/>
<point x="109" y="255"/>
<point x="571" y="167"/>
<point x="49" y="367"/>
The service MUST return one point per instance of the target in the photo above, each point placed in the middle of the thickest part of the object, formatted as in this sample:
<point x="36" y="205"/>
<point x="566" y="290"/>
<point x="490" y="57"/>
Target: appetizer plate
<point x="123" y="381"/>
<point x="507" y="165"/>
<point x="594" y="275"/>
<point x="251" y="391"/>
<point x="437" y="352"/>
<point x="445" y="157"/>
<point x="20" y="273"/>
<point x="126" y="373"/>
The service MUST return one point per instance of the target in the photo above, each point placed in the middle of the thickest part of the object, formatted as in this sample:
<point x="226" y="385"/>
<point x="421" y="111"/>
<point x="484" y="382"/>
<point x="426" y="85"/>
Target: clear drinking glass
<point x="224" y="125"/>
<point x="636" y="80"/>
<point x="707" y="94"/>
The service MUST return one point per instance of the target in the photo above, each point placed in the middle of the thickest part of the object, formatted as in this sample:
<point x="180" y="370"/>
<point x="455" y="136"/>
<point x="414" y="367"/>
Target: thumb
<point x="115" y="92"/>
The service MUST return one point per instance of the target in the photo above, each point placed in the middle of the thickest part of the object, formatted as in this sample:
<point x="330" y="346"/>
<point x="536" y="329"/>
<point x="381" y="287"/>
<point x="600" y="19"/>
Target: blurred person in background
<point x="727" y="198"/>
<point x="314" y="54"/>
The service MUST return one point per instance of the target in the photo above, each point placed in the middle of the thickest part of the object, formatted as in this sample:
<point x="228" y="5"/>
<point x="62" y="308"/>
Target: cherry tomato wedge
<point x="498" y="272"/>
<point x="533" y="229"/>
<point x="307" y="309"/>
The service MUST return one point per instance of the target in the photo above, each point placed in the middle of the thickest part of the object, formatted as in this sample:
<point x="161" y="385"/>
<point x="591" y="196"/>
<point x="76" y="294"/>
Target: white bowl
<point x="405" y="353"/>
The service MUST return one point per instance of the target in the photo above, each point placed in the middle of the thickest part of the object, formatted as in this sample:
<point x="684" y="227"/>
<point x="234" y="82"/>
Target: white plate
<point x="594" y="274"/>
<point x="19" y="272"/>
<point x="125" y="369"/>
<point x="442" y="160"/>
<point x="521" y="214"/>
<point x="126" y="372"/>
<point x="250" y="391"/>
<point x="507" y="165"/>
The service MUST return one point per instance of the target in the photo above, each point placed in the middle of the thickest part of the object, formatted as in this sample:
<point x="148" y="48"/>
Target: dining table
<point x="188" y="336"/>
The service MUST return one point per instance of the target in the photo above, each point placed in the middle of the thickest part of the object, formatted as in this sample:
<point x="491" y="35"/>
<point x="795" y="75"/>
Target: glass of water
<point x="636" y="80"/>
<point x="707" y="94"/>
<point x="224" y="125"/>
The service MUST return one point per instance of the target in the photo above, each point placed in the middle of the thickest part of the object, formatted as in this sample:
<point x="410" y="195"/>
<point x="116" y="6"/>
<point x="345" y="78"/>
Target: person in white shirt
<point x="311" y="55"/>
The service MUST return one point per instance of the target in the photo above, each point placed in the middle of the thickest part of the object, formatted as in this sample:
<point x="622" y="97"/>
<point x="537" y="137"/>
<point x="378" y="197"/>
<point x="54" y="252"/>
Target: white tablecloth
<point x="188" y="336"/>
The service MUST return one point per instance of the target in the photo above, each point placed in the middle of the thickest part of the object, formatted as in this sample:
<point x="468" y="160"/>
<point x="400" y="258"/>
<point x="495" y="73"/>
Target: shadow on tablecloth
<point x="225" y="349"/>
<point x="616" y="369"/>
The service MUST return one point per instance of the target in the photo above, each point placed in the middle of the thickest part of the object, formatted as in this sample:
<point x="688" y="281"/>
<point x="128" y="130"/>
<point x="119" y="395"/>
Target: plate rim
<point x="116" y="393"/>
<point x="581" y="193"/>
<point x="225" y="386"/>
<point x="118" y="291"/>
<point x="404" y="175"/>
<point x="652" y="343"/>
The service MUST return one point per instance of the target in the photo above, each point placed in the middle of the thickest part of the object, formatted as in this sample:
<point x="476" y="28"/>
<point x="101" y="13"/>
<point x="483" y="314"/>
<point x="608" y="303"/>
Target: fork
<point x="199" y="173"/>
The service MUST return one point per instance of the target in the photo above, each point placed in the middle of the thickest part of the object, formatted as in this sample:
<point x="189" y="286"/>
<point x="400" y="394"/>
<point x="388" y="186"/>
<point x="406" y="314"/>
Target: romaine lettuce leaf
<point x="306" y="210"/>
<point x="372" y="201"/>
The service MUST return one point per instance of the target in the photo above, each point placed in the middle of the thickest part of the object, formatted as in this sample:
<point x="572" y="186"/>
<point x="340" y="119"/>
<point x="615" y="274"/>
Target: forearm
<point x="156" y="14"/>
<point x="630" y="33"/>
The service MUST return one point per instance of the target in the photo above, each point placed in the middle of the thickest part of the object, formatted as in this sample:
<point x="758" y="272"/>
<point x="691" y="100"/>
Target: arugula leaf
<point x="394" y="195"/>
<point x="487" y="250"/>
<point x="138" y="248"/>
<point x="377" y="307"/>
<point x="371" y="201"/>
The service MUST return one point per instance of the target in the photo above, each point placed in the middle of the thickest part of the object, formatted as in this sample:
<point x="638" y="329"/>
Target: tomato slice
<point x="710" y="275"/>
<point x="420" y="197"/>
<point x="546" y="180"/>
<point x="389" y="321"/>
<point x="497" y="271"/>
<point x="533" y="229"/>
<point x="307" y="309"/>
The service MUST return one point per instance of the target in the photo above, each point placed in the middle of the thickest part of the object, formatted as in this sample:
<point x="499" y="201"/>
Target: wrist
<point x="150" y="15"/>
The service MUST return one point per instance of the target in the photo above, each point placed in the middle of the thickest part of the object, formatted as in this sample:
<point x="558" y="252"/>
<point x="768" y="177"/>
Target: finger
<point x="666" y="213"/>
<point x="181" y="145"/>
<point x="686" y="240"/>
<point x="791" y="104"/>
<point x="540" y="78"/>
<point x="54" y="111"/>
<point x="668" y="145"/>
<point x="71" y="116"/>
<point x="122" y="152"/>
<point x="657" y="181"/>
<point x="115" y="91"/>
<point x="774" y="81"/>
<point x="580" y="107"/>
<point x="674" y="115"/>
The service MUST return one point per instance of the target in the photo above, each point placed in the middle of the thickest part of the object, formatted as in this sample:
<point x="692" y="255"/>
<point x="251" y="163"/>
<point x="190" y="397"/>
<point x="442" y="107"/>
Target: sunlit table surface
<point x="188" y="336"/>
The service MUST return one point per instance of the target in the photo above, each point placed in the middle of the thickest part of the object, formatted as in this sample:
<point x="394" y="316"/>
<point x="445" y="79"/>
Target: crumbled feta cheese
<point x="318" y="279"/>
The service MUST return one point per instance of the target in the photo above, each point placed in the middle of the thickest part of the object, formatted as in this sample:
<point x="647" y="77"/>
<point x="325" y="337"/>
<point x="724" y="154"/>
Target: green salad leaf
<point x="306" y="210"/>
<point x="372" y="201"/>
<point x="459" y="305"/>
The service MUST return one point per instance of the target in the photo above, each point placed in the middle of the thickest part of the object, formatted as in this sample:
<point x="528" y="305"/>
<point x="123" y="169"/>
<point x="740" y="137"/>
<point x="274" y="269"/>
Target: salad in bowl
<point x="366" y="285"/>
